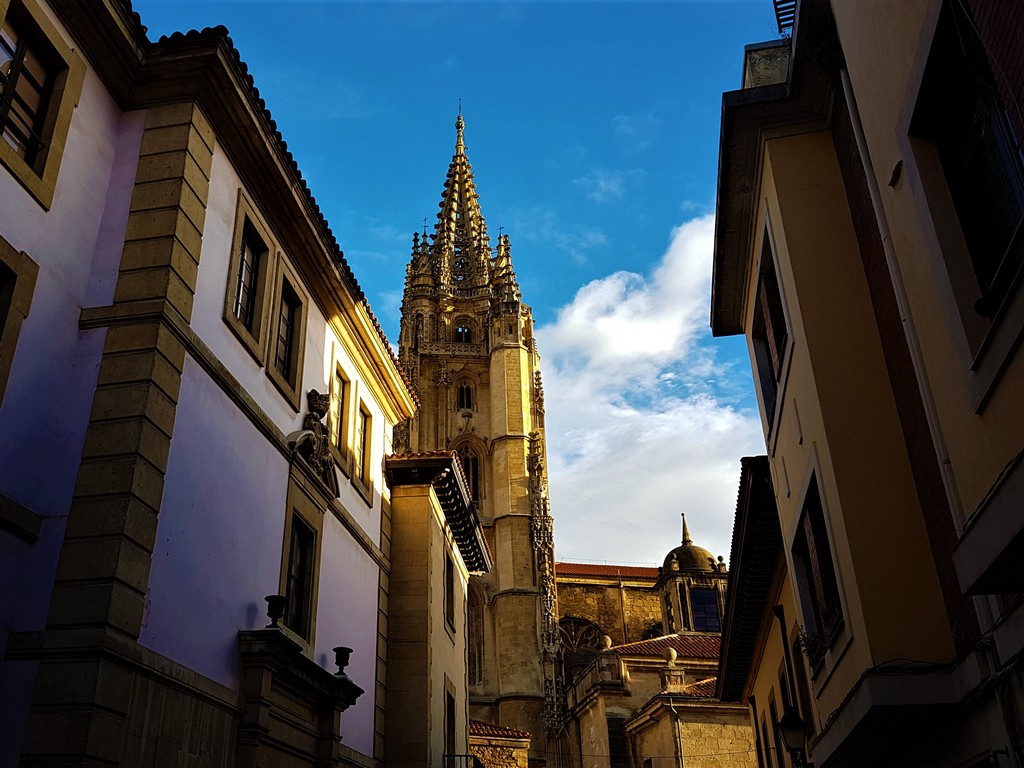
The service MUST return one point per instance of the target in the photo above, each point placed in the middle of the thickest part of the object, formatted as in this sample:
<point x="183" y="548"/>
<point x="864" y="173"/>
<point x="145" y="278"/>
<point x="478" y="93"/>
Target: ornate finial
<point x="686" y="532"/>
<point x="460" y="124"/>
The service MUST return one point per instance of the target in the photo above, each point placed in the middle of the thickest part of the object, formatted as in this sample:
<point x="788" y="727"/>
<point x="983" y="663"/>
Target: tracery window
<point x="463" y="333"/>
<point x="471" y="468"/>
<point x="464" y="396"/>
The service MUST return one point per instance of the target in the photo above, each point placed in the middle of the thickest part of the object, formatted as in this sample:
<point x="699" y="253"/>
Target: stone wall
<point x="610" y="604"/>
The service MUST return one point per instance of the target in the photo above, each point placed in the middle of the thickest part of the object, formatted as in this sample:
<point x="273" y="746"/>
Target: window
<point x="26" y="79"/>
<point x="815" y="577"/>
<point x="449" y="717"/>
<point x="684" y="613"/>
<point x="618" y="751"/>
<point x="449" y="591"/>
<point x="803" y="688"/>
<point x="463" y="333"/>
<point x="287" y="336"/>
<point x="40" y="81"/>
<point x="247" y="299"/>
<point x="464" y="396"/>
<point x="252" y="255"/>
<point x="338" y="417"/>
<point x="769" y="333"/>
<point x="299" y="584"/>
<point x="475" y="608"/>
<point x="769" y="756"/>
<point x="287" y="322"/>
<point x="670" y="621"/>
<point x="361" y="455"/>
<point x="963" y="110"/>
<point x="704" y="606"/>
<point x="471" y="468"/>
<point x="17" y="284"/>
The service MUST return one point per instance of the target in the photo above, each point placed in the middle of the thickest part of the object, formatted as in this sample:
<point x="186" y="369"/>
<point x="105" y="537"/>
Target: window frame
<point x="297" y="617"/>
<point x="812" y="537"/>
<point x="770" y="356"/>
<point x="340" y="420"/>
<point x="464" y="395"/>
<point x="253" y="339"/>
<point x="990" y="339"/>
<point x="310" y="509"/>
<point x="362" y="453"/>
<point x="39" y="178"/>
<point x="702" y="588"/>
<point x="15" y="303"/>
<point x="449" y="592"/>
<point x="289" y="382"/>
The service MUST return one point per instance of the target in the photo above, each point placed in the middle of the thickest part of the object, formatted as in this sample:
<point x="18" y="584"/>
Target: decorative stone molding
<point x="277" y="676"/>
<point x="452" y="348"/>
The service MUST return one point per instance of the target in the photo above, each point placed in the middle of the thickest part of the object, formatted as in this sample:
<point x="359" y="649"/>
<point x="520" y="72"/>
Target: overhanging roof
<point x="749" y="118"/>
<point x="442" y="471"/>
<point x="756" y="553"/>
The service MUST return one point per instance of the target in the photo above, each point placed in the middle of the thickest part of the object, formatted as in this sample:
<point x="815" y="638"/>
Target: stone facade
<point x="467" y="346"/>
<point x="620" y="600"/>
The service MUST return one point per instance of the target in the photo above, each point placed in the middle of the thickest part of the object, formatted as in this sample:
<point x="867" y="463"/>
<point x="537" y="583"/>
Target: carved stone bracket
<point x="312" y="443"/>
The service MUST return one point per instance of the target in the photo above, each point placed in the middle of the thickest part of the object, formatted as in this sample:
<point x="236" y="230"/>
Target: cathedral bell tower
<point x="468" y="348"/>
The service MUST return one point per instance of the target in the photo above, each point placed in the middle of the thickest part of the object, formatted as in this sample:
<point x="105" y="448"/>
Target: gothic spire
<point x="461" y="249"/>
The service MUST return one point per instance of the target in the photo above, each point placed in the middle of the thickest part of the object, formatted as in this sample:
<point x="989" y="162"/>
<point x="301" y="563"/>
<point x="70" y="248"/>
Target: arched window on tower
<point x="464" y="396"/>
<point x="471" y="467"/>
<point x="463" y="333"/>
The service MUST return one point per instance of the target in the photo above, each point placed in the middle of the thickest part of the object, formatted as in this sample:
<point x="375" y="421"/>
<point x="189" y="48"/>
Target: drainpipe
<point x="679" y="735"/>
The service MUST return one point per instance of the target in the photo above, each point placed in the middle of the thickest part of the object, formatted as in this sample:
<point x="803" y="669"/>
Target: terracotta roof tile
<point x="477" y="728"/>
<point x="704" y="689"/>
<point x="687" y="646"/>
<point x="596" y="569"/>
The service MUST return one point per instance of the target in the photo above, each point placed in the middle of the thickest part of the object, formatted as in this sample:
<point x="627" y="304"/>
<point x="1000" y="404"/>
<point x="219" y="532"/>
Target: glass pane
<point x="34" y="66"/>
<point x="28" y="97"/>
<point x="17" y="144"/>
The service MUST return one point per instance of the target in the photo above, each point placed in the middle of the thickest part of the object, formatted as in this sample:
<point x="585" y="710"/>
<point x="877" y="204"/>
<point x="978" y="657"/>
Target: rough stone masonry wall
<point x="603" y="604"/>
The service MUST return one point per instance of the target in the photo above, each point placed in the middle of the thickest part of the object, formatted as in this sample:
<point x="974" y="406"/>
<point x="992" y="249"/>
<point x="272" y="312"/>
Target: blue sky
<point x="592" y="128"/>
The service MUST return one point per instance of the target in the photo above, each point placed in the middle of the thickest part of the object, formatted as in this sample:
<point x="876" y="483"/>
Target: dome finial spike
<point x="686" y="531"/>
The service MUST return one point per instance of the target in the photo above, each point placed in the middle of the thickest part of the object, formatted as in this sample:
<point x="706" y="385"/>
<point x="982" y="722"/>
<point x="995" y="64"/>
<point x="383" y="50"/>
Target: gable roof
<point x="686" y="646"/>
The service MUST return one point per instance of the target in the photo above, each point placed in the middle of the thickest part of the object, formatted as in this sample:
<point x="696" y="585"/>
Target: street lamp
<point x="793" y="731"/>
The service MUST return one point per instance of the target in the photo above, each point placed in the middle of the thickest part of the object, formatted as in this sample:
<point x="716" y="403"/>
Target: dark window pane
<point x="301" y="553"/>
<point x="285" y="352"/>
<point x="704" y="604"/>
<point x="252" y="251"/>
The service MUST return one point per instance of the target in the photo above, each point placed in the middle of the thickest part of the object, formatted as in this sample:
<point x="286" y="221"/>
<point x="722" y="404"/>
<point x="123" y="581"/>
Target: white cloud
<point x="603" y="186"/>
<point x="640" y="427"/>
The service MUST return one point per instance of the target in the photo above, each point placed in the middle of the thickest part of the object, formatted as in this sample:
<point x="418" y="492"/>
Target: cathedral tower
<point x="468" y="348"/>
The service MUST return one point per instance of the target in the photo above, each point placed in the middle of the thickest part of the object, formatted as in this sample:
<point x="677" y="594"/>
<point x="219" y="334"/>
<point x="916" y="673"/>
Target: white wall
<point x="219" y="535"/>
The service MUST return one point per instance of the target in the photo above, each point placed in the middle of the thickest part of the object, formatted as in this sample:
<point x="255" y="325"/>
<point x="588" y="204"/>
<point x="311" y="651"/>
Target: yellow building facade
<point x="868" y="245"/>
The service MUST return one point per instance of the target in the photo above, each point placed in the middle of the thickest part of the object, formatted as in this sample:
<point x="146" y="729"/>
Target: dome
<point x="688" y="556"/>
